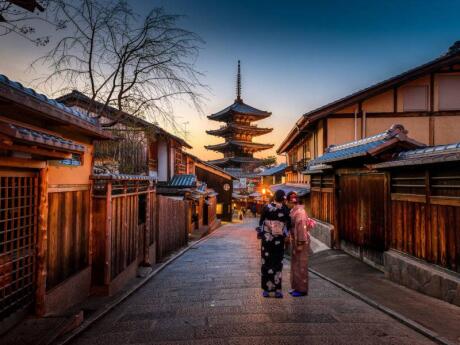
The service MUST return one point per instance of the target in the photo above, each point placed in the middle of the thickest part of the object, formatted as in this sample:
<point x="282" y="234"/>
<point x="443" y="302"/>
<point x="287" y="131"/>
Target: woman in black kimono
<point x="273" y="226"/>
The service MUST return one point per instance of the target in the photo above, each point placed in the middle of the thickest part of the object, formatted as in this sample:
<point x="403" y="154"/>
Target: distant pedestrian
<point x="300" y="243"/>
<point x="273" y="226"/>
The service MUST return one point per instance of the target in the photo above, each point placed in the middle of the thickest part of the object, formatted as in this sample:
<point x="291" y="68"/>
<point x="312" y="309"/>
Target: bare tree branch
<point x="137" y="64"/>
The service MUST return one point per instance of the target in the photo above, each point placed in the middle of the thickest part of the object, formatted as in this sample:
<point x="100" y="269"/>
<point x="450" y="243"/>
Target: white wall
<point x="162" y="161"/>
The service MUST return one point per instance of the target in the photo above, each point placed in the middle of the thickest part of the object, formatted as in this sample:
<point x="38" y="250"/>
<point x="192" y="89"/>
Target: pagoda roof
<point x="228" y="161"/>
<point x="239" y="128"/>
<point x="239" y="108"/>
<point x="235" y="160"/>
<point x="239" y="144"/>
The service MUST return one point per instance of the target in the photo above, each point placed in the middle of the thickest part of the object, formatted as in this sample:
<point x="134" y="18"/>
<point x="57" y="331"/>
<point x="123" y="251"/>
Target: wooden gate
<point x="173" y="215"/>
<point x="18" y="231"/>
<point x="362" y="208"/>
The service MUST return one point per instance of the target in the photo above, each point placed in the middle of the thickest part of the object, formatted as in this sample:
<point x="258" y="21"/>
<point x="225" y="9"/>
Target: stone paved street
<point x="211" y="295"/>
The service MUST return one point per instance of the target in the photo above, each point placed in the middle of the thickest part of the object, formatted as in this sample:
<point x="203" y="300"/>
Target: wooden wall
<point x="123" y="215"/>
<point x="68" y="235"/>
<point x="322" y="198"/>
<point x="425" y="207"/>
<point x="172" y="231"/>
<point x="124" y="232"/>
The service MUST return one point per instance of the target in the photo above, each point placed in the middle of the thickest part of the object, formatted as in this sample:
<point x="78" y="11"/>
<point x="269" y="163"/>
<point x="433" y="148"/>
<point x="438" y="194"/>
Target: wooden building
<point x="141" y="147"/>
<point x="394" y="203"/>
<point x="425" y="99"/>
<point x="273" y="175"/>
<point x="128" y="211"/>
<point x="424" y="223"/>
<point x="46" y="161"/>
<point x="352" y="197"/>
<point x="221" y="182"/>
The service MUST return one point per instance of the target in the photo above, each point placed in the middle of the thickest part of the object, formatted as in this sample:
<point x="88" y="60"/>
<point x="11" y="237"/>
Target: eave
<point x="238" y="128"/>
<point x="240" y="144"/>
<point x="16" y="99"/>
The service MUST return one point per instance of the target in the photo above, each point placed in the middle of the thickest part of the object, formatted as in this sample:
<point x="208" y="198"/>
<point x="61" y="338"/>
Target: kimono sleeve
<point x="301" y="229"/>
<point x="263" y="216"/>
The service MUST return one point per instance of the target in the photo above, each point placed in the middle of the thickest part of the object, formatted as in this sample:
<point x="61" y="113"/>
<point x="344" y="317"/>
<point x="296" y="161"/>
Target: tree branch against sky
<point x="22" y="20"/>
<point x="139" y="64"/>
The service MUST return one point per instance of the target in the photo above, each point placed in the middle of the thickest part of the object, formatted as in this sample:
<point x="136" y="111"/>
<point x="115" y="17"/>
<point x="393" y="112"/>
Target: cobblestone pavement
<point x="211" y="295"/>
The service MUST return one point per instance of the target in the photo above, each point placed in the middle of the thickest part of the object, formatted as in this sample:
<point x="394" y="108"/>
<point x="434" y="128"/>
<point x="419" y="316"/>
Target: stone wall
<point x="323" y="232"/>
<point x="423" y="277"/>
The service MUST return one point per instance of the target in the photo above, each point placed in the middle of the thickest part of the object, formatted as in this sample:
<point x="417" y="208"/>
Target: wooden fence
<point x="122" y="229"/>
<point x="68" y="234"/>
<point x="173" y="215"/>
<point x="425" y="212"/>
<point x="322" y="196"/>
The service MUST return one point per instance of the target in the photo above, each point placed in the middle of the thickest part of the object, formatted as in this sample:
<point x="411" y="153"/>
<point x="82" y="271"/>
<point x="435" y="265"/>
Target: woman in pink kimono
<point x="300" y="242"/>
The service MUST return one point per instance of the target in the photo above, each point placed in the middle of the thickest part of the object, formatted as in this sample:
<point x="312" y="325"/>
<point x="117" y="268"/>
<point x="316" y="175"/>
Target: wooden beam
<point x="445" y="201"/>
<point x="395" y="100"/>
<point x="408" y="197"/>
<point x="431" y="137"/>
<point x="57" y="188"/>
<point x="22" y="163"/>
<point x="324" y="135"/>
<point x="40" y="292"/>
<point x="36" y="151"/>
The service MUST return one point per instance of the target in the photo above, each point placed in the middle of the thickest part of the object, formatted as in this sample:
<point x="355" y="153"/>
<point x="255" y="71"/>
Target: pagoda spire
<point x="238" y="84"/>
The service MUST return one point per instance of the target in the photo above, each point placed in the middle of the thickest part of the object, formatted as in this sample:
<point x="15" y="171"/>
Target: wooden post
<point x="108" y="233"/>
<point x="147" y="228"/>
<point x="90" y="229"/>
<point x="40" y="293"/>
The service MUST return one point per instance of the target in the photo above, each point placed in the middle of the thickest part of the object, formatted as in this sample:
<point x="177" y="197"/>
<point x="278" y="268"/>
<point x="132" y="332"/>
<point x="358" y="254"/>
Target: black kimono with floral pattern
<point x="272" y="247"/>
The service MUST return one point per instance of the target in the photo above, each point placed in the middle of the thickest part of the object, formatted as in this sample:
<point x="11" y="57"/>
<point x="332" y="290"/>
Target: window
<point x="449" y="92"/>
<point x="219" y="209"/>
<point x="415" y="98"/>
<point x="76" y="160"/>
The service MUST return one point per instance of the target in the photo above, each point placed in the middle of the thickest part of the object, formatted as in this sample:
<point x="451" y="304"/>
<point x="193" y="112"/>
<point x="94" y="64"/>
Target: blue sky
<point x="296" y="55"/>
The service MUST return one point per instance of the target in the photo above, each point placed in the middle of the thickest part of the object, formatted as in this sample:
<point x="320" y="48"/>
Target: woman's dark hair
<point x="292" y="197"/>
<point x="279" y="195"/>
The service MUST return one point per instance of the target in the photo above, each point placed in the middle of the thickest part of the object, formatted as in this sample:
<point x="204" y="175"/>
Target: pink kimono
<point x="300" y="236"/>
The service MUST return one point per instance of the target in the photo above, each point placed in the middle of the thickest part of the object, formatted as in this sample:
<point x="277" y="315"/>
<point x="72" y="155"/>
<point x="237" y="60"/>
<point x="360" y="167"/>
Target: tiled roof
<point x="429" y="151"/>
<point x="75" y="95"/>
<point x="234" y="160"/>
<point x="364" y="146"/>
<point x="183" y="181"/>
<point x="239" y="108"/>
<point x="300" y="188"/>
<point x="31" y="92"/>
<point x="273" y="170"/>
<point x="38" y="137"/>
<point x="425" y="155"/>
<point x="347" y="152"/>
<point x="239" y="128"/>
<point x="119" y="177"/>
<point x="239" y="173"/>
<point x="239" y="143"/>
<point x="202" y="187"/>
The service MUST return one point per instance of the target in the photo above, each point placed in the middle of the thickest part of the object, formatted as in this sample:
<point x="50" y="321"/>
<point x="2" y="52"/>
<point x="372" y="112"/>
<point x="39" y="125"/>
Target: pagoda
<point x="238" y="148"/>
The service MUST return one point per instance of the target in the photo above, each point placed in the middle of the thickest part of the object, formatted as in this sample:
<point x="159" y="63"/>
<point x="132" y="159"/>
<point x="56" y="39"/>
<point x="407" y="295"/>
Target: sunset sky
<point x="295" y="55"/>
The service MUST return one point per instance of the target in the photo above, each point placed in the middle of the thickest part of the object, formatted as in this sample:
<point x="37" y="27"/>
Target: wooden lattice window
<point x="18" y="228"/>
<point x="409" y="182"/>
